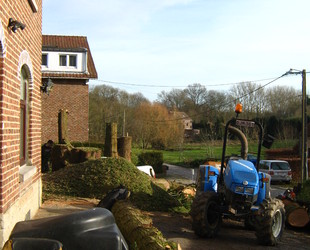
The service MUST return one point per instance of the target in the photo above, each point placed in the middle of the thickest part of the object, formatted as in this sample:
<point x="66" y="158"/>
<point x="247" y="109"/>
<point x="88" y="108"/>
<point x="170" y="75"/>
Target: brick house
<point x="186" y="120"/>
<point x="20" y="112"/>
<point x="68" y="63"/>
<point x="189" y="132"/>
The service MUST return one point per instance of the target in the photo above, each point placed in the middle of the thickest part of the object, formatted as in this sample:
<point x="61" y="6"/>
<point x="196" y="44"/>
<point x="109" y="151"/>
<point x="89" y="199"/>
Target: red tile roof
<point x="70" y="43"/>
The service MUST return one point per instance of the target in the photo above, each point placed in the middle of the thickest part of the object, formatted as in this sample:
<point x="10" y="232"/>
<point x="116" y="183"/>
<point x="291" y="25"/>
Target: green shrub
<point x="89" y="144"/>
<point x="154" y="158"/>
<point x="195" y="163"/>
<point x="134" y="159"/>
<point x="304" y="194"/>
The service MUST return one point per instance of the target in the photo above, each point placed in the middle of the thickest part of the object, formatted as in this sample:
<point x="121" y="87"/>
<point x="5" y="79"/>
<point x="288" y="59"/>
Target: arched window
<point x="23" y="115"/>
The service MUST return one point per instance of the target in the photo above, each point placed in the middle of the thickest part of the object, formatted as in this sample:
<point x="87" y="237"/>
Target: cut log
<point x="287" y="202"/>
<point x="138" y="228"/>
<point x="189" y="191"/>
<point x="296" y="216"/>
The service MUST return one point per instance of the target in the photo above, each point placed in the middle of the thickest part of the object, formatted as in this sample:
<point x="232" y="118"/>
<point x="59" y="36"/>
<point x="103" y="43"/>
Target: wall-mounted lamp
<point x="47" y="86"/>
<point x="14" y="25"/>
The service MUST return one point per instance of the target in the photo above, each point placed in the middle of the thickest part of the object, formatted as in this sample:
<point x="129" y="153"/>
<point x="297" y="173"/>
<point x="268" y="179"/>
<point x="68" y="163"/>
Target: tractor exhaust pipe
<point x="243" y="140"/>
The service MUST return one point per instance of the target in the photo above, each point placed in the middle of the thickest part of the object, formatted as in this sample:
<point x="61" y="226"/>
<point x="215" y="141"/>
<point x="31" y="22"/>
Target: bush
<point x="89" y="144"/>
<point x="154" y="158"/>
<point x="134" y="159"/>
<point x="195" y="163"/>
<point x="304" y="194"/>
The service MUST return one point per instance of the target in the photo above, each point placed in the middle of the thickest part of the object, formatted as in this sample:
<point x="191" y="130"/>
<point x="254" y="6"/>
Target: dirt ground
<point x="62" y="206"/>
<point x="233" y="235"/>
<point x="178" y="228"/>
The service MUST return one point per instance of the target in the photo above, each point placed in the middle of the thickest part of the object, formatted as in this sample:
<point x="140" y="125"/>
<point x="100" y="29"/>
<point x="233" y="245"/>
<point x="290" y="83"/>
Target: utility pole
<point x="304" y="146"/>
<point x="304" y="153"/>
<point x="124" y="122"/>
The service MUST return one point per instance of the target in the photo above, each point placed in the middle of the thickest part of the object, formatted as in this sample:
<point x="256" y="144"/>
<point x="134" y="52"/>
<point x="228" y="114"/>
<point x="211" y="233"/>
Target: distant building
<point x="189" y="132"/>
<point x="20" y="112"/>
<point x="187" y="121"/>
<point x="68" y="63"/>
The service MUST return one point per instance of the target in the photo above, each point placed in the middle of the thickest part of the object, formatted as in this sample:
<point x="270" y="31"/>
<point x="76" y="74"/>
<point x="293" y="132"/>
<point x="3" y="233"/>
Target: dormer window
<point x="44" y="60"/>
<point x="72" y="60"/>
<point x="64" y="59"/>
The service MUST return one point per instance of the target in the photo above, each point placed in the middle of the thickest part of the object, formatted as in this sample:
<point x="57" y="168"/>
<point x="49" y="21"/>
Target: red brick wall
<point x="28" y="40"/>
<point x="70" y="95"/>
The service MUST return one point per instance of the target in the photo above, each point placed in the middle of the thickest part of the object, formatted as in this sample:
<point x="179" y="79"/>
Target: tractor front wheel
<point x="206" y="216"/>
<point x="270" y="222"/>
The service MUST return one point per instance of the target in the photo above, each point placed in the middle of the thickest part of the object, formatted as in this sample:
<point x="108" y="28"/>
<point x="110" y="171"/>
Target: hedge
<point x="154" y="158"/>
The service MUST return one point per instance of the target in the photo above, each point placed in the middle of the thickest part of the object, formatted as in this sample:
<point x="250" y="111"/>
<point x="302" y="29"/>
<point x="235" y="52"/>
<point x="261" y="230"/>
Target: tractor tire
<point x="250" y="222"/>
<point x="205" y="214"/>
<point x="270" y="222"/>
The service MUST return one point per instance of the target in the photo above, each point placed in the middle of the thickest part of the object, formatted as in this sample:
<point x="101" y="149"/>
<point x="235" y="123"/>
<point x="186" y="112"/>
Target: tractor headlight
<point x="249" y="190"/>
<point x="239" y="189"/>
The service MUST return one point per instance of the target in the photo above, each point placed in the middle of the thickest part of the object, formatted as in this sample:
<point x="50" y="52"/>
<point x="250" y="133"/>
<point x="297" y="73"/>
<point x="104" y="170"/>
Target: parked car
<point x="147" y="169"/>
<point x="277" y="169"/>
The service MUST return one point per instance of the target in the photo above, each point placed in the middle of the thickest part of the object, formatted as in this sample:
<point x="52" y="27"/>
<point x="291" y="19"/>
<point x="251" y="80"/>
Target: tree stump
<point x="124" y="147"/>
<point x="62" y="127"/>
<point x="110" y="146"/>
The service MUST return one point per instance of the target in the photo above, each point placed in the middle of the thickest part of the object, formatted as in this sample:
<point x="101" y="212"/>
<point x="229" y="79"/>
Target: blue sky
<point x="155" y="45"/>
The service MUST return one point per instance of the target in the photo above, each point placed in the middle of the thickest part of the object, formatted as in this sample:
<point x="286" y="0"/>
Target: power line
<point x="221" y="105"/>
<point x="176" y="86"/>
<point x="225" y="103"/>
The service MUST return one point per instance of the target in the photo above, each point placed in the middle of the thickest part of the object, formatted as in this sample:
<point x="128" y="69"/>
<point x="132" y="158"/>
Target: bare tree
<point x="252" y="96"/>
<point x="283" y="101"/>
<point x="107" y="104"/>
<point x="196" y="93"/>
<point x="176" y="98"/>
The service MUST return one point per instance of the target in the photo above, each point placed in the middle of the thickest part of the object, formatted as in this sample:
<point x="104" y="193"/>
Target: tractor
<point x="237" y="190"/>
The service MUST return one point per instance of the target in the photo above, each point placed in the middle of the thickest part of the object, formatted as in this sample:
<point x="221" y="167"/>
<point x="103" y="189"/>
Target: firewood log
<point x="296" y="215"/>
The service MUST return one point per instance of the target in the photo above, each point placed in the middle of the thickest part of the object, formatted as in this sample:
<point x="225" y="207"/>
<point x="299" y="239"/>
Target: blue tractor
<point x="237" y="190"/>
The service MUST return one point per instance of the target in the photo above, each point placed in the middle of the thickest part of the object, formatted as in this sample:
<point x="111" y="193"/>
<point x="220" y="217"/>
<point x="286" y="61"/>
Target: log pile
<point x="297" y="215"/>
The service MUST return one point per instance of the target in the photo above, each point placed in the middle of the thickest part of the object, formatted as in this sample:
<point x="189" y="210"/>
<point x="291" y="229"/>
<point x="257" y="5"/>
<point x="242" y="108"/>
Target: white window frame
<point x="74" y="56"/>
<point x="63" y="55"/>
<point x="68" y="59"/>
<point x="23" y="155"/>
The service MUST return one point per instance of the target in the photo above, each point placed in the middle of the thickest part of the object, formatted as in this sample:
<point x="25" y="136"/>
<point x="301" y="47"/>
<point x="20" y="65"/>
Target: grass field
<point x="188" y="153"/>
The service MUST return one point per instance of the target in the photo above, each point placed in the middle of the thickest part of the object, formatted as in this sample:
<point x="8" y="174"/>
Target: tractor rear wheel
<point x="250" y="222"/>
<point x="270" y="222"/>
<point x="206" y="216"/>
